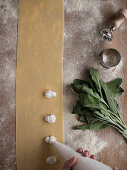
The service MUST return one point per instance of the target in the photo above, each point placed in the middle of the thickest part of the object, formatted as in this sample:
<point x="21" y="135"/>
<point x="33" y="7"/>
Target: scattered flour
<point x="88" y="140"/>
<point x="82" y="44"/>
<point x="114" y="72"/>
<point x="8" y="44"/>
<point x="7" y="10"/>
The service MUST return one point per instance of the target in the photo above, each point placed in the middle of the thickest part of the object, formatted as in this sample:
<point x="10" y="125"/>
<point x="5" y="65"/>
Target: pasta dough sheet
<point x="39" y="67"/>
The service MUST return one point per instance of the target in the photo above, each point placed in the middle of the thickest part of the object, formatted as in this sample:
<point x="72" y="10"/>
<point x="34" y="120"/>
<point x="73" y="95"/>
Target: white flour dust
<point x="8" y="44"/>
<point x="7" y="10"/>
<point x="87" y="140"/>
<point x="113" y="72"/>
<point x="123" y="26"/>
<point x="82" y="44"/>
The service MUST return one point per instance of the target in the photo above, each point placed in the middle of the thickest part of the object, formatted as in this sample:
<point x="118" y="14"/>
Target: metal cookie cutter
<point x="109" y="58"/>
<point x="121" y="16"/>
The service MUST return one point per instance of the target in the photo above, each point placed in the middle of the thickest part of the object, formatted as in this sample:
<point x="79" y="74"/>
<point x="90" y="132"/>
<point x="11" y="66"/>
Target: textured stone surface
<point x="80" y="46"/>
<point x="8" y="44"/>
<point x="82" y="43"/>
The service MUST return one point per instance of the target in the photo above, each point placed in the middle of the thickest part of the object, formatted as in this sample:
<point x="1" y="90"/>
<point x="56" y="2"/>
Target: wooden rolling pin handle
<point x="120" y="18"/>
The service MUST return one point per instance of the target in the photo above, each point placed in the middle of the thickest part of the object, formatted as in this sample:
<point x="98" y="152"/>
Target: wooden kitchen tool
<point x="121" y="16"/>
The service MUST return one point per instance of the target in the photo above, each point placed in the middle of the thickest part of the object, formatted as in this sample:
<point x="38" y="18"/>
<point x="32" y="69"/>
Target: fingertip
<point x="74" y="158"/>
<point x="72" y="161"/>
<point x="116" y="168"/>
<point x="86" y="153"/>
<point x="93" y="157"/>
<point x="100" y="161"/>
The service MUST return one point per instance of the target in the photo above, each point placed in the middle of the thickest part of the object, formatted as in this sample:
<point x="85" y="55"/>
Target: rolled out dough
<point x="39" y="68"/>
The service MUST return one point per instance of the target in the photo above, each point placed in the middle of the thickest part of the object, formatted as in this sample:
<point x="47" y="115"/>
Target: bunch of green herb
<point x="97" y="107"/>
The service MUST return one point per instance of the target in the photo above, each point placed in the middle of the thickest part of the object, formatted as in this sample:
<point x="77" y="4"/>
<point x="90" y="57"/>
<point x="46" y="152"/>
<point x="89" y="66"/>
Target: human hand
<point x="87" y="154"/>
<point x="69" y="164"/>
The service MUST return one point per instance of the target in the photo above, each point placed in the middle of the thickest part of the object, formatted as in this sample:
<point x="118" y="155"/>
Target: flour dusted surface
<point x="82" y="44"/>
<point x="8" y="44"/>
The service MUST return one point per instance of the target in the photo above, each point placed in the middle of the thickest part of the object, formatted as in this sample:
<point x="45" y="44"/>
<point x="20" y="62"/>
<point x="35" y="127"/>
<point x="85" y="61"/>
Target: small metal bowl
<point x="109" y="57"/>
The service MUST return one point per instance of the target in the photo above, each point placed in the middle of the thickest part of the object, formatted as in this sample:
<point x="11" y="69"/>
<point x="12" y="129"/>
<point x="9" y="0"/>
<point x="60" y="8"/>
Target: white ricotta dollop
<point x="49" y="94"/>
<point x="50" y="118"/>
<point x="50" y="139"/>
<point x="51" y="160"/>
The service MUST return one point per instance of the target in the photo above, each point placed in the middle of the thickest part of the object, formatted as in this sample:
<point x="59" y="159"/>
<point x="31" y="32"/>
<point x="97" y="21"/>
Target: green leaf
<point x="91" y="102"/>
<point x="77" y="82"/>
<point x="94" y="79"/>
<point x="74" y="88"/>
<point x="92" y="84"/>
<point x="86" y="89"/>
<point x="114" y="87"/>
<point x="97" y="107"/>
<point x="79" y="109"/>
<point x="110" y="98"/>
<point x="119" y="93"/>
<point x="82" y="118"/>
<point x="88" y="117"/>
<point x="95" y="126"/>
<point x="102" y="114"/>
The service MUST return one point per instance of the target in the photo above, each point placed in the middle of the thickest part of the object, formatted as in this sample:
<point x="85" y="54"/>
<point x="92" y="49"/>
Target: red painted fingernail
<point x="86" y="153"/>
<point x="80" y="150"/>
<point x="100" y="161"/>
<point x="116" y="168"/>
<point x="93" y="157"/>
